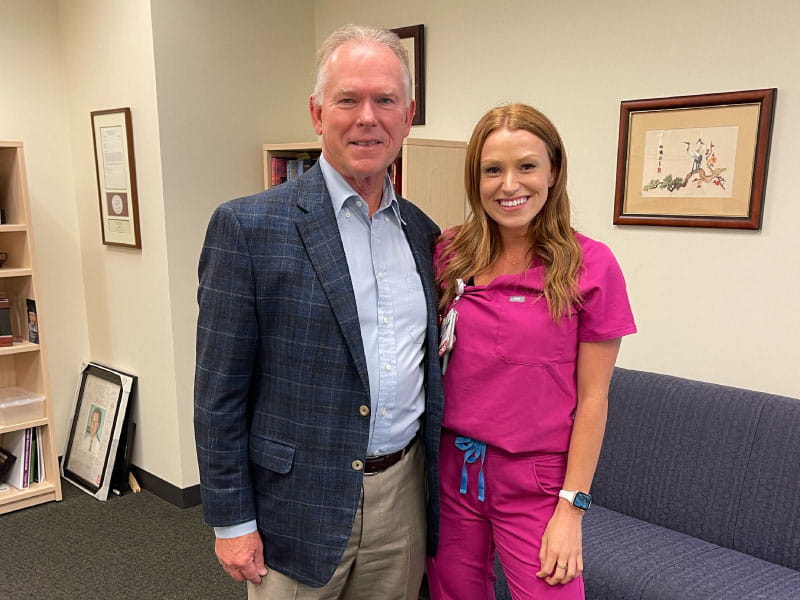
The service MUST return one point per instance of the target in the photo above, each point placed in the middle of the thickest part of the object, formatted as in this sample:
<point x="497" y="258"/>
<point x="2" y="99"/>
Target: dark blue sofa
<point x="696" y="495"/>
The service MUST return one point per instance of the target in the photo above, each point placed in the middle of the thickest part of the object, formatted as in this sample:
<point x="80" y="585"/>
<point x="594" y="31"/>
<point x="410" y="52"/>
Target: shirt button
<point x="385" y="320"/>
<point x="347" y="214"/>
<point x="388" y="367"/>
<point x="380" y="275"/>
<point x="358" y="203"/>
<point x="364" y="410"/>
<point x="383" y="412"/>
<point x="357" y="465"/>
<point x="386" y="219"/>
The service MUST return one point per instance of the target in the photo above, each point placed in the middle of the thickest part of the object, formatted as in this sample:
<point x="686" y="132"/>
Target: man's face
<point x="363" y="118"/>
<point x="95" y="423"/>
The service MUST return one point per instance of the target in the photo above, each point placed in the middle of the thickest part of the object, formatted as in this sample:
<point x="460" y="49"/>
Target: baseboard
<point x="180" y="497"/>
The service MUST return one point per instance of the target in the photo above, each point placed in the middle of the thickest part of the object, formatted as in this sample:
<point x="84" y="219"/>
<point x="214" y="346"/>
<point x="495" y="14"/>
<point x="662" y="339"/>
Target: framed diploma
<point x="116" y="177"/>
<point x="98" y="424"/>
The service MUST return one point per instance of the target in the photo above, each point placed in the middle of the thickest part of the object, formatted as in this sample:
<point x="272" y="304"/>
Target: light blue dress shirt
<point x="391" y="312"/>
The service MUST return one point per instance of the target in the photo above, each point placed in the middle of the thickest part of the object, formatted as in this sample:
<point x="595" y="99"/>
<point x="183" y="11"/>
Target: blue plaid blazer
<point x="281" y="374"/>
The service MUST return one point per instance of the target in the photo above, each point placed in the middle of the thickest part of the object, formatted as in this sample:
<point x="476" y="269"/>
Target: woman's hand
<point x="561" y="554"/>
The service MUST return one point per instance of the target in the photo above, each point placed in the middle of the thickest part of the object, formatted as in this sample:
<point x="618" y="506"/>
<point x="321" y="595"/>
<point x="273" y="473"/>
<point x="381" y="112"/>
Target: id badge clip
<point x="447" y="335"/>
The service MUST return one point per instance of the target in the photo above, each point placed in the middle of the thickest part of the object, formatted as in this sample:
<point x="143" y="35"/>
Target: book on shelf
<point x="278" y="170"/>
<point x="7" y="459"/>
<point x="18" y="443"/>
<point x="33" y="460"/>
<point x="33" y="321"/>
<point x="40" y="473"/>
<point x="6" y="332"/>
<point x="36" y="468"/>
<point x="287" y="169"/>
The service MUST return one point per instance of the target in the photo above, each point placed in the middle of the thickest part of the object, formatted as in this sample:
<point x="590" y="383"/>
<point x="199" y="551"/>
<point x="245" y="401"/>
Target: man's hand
<point x="242" y="557"/>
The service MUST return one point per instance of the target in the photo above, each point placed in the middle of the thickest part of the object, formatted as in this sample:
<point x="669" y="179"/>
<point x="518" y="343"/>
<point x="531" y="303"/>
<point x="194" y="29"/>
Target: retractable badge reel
<point x="447" y="336"/>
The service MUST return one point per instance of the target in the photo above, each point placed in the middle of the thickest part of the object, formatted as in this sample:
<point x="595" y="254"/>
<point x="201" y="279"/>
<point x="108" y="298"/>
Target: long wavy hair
<point x="476" y="244"/>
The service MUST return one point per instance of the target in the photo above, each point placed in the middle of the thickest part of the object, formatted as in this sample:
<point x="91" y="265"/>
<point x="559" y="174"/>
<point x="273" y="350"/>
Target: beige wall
<point x="108" y="54"/>
<point x="228" y="81"/>
<point x="715" y="305"/>
<point x="34" y="110"/>
<point x="208" y="85"/>
<point x="204" y="82"/>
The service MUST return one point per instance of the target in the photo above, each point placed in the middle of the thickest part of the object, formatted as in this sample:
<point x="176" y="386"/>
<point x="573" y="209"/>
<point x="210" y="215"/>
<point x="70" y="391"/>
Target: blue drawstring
<point x="473" y="450"/>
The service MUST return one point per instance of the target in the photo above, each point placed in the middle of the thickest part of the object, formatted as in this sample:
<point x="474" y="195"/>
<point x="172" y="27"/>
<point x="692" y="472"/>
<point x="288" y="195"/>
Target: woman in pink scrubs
<point x="533" y="317"/>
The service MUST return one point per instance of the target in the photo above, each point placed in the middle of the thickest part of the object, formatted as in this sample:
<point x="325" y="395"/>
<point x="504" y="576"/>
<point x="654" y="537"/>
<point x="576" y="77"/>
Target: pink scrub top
<point x="511" y="378"/>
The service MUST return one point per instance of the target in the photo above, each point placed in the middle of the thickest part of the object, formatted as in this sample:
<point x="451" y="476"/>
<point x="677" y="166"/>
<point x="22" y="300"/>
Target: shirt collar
<point x="340" y="191"/>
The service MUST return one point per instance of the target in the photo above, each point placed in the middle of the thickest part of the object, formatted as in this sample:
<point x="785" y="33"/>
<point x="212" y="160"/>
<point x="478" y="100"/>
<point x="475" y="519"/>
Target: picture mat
<point x="743" y="116"/>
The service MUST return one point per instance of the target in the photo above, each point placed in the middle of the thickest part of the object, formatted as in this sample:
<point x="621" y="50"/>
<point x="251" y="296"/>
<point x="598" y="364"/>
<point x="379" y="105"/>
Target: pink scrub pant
<point x="521" y="492"/>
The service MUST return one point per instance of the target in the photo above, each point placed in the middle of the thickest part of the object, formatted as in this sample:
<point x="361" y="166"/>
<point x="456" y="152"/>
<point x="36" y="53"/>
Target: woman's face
<point x="515" y="178"/>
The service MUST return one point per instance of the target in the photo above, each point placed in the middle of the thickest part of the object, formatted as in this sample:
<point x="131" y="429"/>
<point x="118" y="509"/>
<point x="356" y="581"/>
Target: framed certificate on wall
<point x="112" y="132"/>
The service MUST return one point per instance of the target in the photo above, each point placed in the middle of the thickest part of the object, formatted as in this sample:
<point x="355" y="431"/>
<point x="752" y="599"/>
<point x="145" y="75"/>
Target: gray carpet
<point x="131" y="546"/>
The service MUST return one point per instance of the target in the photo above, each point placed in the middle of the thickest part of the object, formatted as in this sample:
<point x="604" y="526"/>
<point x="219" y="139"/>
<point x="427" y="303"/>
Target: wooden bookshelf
<point x="431" y="174"/>
<point x="23" y="363"/>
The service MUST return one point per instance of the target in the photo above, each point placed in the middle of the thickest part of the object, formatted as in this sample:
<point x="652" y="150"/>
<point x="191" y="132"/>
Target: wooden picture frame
<point x="694" y="161"/>
<point x="413" y="38"/>
<point x="112" y="133"/>
<point x="98" y="422"/>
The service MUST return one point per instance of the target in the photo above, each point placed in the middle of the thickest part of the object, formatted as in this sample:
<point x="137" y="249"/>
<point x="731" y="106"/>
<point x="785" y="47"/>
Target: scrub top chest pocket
<point x="527" y="334"/>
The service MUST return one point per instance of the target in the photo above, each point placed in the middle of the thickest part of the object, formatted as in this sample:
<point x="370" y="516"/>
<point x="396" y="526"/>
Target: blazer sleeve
<point x="227" y="343"/>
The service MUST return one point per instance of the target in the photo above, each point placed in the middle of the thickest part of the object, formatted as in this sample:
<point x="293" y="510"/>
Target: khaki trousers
<point x="385" y="556"/>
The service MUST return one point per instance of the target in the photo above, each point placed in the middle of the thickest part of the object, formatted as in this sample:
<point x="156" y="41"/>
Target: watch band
<point x="569" y="496"/>
<point x="578" y="499"/>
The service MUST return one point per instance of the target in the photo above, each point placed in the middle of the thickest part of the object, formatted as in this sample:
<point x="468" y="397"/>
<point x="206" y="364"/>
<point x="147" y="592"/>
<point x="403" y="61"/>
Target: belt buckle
<point x="401" y="454"/>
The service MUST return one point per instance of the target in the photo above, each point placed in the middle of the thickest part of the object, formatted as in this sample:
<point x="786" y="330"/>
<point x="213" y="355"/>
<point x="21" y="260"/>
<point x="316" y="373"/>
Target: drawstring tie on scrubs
<point x="473" y="450"/>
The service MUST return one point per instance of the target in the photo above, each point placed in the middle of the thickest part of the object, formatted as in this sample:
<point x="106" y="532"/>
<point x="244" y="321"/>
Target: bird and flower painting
<point x="694" y="161"/>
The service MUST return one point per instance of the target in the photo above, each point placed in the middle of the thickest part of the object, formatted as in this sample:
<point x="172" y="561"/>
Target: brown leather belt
<point x="376" y="464"/>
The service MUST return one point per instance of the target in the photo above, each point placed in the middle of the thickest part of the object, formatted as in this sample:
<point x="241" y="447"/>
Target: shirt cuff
<point x="232" y="531"/>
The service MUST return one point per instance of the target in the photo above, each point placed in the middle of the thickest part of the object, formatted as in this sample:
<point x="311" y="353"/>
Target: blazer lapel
<point x="320" y="234"/>
<point x="422" y="256"/>
<point x="421" y="248"/>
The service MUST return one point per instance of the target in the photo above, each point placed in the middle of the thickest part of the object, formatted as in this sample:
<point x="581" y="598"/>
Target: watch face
<point x="582" y="501"/>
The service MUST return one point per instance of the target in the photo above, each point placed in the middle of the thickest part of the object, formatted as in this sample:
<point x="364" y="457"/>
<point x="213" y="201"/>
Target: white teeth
<point x="514" y="202"/>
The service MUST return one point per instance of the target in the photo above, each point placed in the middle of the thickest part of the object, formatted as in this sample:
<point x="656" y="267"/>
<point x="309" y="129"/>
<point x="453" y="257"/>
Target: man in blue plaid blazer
<point x="318" y="394"/>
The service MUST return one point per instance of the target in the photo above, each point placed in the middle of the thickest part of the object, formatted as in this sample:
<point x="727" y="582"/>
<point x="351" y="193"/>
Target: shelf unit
<point x="23" y="363"/>
<point x="431" y="174"/>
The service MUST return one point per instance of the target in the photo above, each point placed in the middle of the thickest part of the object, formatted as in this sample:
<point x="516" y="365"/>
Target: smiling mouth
<point x="513" y="202"/>
<point x="365" y="143"/>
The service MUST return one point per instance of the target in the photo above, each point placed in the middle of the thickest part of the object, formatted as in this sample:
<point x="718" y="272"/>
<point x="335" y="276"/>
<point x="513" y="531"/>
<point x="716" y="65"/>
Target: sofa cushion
<point x="672" y="448"/>
<point x="768" y="520"/>
<point x="626" y="558"/>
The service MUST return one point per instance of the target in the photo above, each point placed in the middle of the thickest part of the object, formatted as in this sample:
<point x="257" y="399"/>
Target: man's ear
<point x="412" y="109"/>
<point x="316" y="114"/>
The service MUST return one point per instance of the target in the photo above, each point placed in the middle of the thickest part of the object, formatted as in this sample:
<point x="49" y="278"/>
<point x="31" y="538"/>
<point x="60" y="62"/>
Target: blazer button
<point x="358" y="465"/>
<point x="364" y="410"/>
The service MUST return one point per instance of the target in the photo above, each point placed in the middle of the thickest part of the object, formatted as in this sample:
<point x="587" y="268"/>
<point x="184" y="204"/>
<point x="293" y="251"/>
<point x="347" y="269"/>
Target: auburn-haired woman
<point x="533" y="313"/>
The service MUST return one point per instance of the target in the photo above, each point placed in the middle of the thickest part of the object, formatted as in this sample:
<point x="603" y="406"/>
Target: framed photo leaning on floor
<point x="99" y="417"/>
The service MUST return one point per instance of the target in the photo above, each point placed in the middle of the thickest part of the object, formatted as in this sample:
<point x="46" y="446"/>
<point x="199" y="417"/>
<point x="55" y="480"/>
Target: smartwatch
<point x="577" y="499"/>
